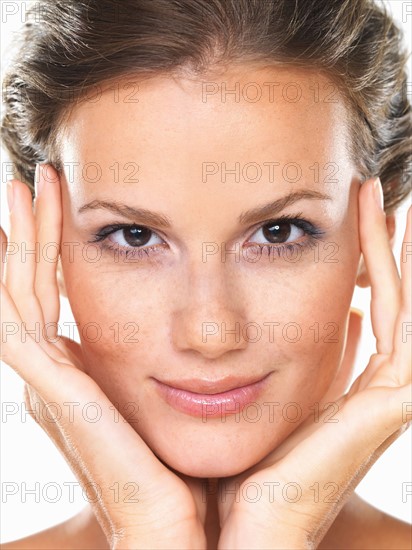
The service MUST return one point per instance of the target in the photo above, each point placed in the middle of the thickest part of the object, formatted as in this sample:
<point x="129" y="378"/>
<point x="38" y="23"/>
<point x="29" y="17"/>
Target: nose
<point x="211" y="319"/>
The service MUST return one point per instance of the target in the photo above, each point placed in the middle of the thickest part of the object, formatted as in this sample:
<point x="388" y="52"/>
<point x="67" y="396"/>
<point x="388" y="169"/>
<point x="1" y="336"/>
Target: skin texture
<point x="170" y="134"/>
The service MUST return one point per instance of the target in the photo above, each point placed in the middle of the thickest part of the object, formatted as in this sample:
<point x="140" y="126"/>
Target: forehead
<point x="288" y="111"/>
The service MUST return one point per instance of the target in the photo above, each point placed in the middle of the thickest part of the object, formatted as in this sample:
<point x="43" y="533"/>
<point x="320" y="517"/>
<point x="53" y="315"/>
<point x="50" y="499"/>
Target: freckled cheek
<point x="310" y="308"/>
<point x="120" y="315"/>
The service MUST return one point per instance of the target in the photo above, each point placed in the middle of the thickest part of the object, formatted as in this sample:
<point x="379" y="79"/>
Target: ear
<point x="60" y="279"/>
<point x="362" y="279"/>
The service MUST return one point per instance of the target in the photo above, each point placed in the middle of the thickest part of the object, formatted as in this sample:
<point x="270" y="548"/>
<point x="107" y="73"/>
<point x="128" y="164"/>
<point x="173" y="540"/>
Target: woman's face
<point x="203" y="170"/>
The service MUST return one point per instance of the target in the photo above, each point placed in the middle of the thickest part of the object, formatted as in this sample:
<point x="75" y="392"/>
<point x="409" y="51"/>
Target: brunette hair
<point x="69" y="46"/>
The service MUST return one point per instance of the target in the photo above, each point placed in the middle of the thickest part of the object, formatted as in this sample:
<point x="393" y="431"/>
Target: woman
<point x="217" y="177"/>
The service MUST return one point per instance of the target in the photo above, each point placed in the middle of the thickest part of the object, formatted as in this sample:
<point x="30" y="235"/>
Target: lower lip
<point x="214" y="405"/>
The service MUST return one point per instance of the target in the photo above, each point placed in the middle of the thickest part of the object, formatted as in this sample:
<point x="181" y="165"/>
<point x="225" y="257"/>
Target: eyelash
<point x="312" y="232"/>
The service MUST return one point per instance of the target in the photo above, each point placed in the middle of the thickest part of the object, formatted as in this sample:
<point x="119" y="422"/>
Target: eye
<point x="278" y="232"/>
<point x="135" y="236"/>
<point x="128" y="239"/>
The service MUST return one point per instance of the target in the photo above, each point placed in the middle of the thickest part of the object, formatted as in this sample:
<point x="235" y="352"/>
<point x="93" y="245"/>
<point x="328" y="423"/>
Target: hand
<point x="326" y="461"/>
<point x="138" y="501"/>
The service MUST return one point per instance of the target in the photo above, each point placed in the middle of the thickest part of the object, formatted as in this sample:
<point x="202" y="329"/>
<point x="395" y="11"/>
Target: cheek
<point x="120" y="315"/>
<point x="307" y="306"/>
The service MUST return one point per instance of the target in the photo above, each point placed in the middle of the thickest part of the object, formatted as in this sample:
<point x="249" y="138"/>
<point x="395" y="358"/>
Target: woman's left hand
<point x="304" y="483"/>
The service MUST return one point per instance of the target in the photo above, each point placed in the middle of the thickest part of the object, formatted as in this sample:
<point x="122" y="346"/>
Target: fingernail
<point x="10" y="195"/>
<point x="378" y="193"/>
<point x="38" y="180"/>
<point x="357" y="312"/>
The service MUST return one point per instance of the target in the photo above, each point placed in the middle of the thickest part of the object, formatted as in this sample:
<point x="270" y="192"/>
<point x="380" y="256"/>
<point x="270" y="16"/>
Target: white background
<point x="29" y="457"/>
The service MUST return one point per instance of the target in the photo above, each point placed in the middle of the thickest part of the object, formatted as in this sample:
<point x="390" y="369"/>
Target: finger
<point x="3" y="245"/>
<point x="20" y="266"/>
<point x="381" y="266"/>
<point x="71" y="349"/>
<point x="19" y="350"/>
<point x="344" y="375"/>
<point x="48" y="220"/>
<point x="402" y="354"/>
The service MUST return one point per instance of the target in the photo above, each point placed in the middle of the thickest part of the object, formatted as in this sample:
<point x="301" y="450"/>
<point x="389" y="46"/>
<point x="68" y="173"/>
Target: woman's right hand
<point x="138" y="501"/>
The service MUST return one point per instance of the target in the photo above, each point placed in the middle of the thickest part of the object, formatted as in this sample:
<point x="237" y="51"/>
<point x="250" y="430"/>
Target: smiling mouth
<point x="211" y="398"/>
<point x="203" y="386"/>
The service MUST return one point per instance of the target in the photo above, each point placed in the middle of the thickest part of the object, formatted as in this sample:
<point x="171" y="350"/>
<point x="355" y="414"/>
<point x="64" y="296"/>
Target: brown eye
<point x="135" y="236"/>
<point x="277" y="232"/>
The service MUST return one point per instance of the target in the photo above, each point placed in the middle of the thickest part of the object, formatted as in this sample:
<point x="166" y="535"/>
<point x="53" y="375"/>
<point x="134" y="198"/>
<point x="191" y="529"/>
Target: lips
<point x="202" y="386"/>
<point x="211" y="398"/>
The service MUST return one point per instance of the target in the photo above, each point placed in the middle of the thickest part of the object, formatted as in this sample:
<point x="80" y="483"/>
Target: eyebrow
<point x="270" y="210"/>
<point x="145" y="216"/>
<point x="248" y="217"/>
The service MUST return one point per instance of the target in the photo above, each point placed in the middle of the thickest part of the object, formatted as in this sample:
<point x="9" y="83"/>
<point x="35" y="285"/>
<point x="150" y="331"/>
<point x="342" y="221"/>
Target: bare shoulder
<point x="361" y="526"/>
<point x="81" y="532"/>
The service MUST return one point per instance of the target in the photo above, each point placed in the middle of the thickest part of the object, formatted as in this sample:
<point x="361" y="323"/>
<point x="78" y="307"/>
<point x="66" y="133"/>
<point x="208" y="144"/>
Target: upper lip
<point x="220" y="385"/>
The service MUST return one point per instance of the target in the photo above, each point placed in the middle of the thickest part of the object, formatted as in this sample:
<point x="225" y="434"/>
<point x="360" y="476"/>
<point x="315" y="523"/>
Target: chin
<point x="213" y="456"/>
<point x="214" y="467"/>
<point x="215" y="449"/>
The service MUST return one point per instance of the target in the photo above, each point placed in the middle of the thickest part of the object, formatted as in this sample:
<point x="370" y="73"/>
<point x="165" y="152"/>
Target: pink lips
<point x="211" y="398"/>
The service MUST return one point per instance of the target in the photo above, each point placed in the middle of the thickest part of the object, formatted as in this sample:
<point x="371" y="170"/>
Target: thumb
<point x="344" y="374"/>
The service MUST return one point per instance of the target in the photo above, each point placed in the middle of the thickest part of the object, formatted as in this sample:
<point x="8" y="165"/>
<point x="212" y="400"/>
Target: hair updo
<point x="68" y="46"/>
